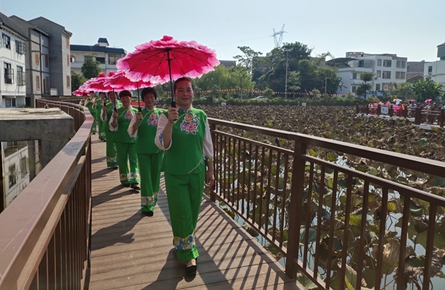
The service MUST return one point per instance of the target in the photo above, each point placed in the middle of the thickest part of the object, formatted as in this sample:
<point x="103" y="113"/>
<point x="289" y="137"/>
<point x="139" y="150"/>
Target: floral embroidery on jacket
<point x="190" y="124"/>
<point x="129" y="115"/>
<point x="153" y="119"/>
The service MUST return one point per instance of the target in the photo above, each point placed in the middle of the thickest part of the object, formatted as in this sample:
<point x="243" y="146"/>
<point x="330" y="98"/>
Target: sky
<point x="408" y="28"/>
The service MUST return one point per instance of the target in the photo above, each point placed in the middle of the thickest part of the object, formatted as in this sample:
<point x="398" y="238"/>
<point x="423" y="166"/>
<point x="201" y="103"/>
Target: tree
<point x="403" y="91"/>
<point x="76" y="80"/>
<point x="362" y="88"/>
<point x="268" y="93"/>
<point x="427" y="89"/>
<point x="90" y="67"/>
<point x="247" y="60"/>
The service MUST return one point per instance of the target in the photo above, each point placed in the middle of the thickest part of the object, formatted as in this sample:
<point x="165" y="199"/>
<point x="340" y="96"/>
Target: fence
<point x="45" y="232"/>
<point x="335" y="222"/>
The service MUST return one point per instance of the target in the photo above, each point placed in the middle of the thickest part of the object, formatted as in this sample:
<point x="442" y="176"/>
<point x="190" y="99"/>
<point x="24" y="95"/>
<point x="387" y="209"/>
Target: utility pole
<point x="325" y="84"/>
<point x="285" y="79"/>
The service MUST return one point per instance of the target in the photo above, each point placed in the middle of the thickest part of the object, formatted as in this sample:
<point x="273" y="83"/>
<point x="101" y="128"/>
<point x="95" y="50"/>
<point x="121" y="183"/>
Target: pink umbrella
<point x="82" y="90"/>
<point x="120" y="82"/>
<point x="98" y="83"/>
<point x="428" y="100"/>
<point x="167" y="59"/>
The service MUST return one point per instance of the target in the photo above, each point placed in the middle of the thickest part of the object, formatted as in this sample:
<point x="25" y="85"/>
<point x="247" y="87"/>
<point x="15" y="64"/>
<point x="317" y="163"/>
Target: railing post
<point x="378" y="110"/>
<point x="417" y="116"/>
<point x="212" y="190"/>
<point x="442" y="116"/>
<point x="295" y="208"/>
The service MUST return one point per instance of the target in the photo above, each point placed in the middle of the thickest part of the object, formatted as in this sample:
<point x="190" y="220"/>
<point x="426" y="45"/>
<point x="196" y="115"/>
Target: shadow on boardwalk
<point x="133" y="251"/>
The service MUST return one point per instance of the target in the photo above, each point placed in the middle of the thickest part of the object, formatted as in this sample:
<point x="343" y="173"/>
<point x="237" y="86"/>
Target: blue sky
<point x="408" y="28"/>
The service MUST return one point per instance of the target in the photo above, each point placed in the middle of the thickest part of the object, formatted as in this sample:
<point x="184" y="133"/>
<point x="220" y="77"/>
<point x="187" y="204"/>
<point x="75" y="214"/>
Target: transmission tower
<point x="279" y="39"/>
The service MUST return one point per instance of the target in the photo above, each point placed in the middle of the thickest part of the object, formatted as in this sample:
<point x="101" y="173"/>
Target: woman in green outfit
<point x="90" y="104"/>
<point x="144" y="125"/>
<point x="107" y="110"/>
<point x="184" y="133"/>
<point x="98" y="105"/>
<point x="125" y="145"/>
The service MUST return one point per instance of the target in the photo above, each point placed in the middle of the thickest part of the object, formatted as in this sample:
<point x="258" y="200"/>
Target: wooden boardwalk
<point x="133" y="251"/>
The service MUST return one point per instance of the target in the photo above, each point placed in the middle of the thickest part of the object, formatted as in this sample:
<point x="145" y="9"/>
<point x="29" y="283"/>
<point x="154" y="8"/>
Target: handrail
<point x="43" y="232"/>
<point x="312" y="211"/>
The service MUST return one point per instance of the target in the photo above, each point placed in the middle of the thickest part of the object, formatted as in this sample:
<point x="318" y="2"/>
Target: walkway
<point x="132" y="251"/>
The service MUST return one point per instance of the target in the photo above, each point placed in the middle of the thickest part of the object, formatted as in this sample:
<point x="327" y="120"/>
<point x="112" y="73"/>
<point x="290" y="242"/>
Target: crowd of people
<point x="398" y="106"/>
<point x="142" y="142"/>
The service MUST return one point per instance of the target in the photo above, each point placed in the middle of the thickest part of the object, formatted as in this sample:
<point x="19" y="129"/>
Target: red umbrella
<point x="120" y="82"/>
<point x="167" y="59"/>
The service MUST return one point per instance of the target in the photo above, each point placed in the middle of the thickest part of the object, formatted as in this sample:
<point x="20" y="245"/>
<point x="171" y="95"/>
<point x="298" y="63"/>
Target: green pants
<point x="110" y="146"/>
<point x="184" y="194"/>
<point x="150" y="174"/>
<point x="126" y="153"/>
<point x="101" y="124"/>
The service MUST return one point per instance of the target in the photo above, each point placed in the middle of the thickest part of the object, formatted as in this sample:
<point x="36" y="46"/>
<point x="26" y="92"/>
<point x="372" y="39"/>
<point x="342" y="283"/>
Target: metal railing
<point x="44" y="232"/>
<point x="333" y="222"/>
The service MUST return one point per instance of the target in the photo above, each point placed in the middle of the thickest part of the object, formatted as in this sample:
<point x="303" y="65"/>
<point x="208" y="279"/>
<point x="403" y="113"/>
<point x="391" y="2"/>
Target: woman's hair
<point x="181" y="79"/>
<point x="147" y="91"/>
<point x="124" y="93"/>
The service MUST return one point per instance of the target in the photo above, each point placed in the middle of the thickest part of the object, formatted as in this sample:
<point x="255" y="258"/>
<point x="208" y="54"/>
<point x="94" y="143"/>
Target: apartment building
<point x="388" y="70"/>
<point x="57" y="56"/>
<point x="436" y="70"/>
<point x="101" y="51"/>
<point x="12" y="62"/>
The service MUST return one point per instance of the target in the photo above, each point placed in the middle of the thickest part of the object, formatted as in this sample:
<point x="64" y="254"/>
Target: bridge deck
<point x="132" y="251"/>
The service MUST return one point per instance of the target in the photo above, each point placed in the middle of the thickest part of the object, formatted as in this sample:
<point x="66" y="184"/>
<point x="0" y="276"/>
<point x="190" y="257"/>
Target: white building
<point x="12" y="62"/>
<point x="388" y="70"/>
<point x="436" y="70"/>
<point x="101" y="52"/>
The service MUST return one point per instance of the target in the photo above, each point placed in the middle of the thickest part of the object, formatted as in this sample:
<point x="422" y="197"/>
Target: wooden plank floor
<point x="132" y="251"/>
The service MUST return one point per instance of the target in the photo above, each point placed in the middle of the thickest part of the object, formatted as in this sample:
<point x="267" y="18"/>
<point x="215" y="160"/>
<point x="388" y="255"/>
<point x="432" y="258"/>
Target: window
<point x="20" y="76"/>
<point x="24" y="166"/>
<point x="430" y="69"/>
<point x="6" y="41"/>
<point x="12" y="177"/>
<point x="10" y="102"/>
<point x="379" y="74"/>
<point x="67" y="60"/>
<point x="354" y="76"/>
<point x="73" y="59"/>
<point x="112" y="58"/>
<point x="377" y="87"/>
<point x="37" y="83"/>
<point x="67" y="42"/>
<point x="387" y="63"/>
<point x="68" y="81"/>
<point x="46" y="84"/>
<point x="379" y="62"/>
<point x="37" y="58"/>
<point x="386" y="75"/>
<point x="361" y="63"/>
<point x="354" y="88"/>
<point x="46" y="61"/>
<point x="9" y="74"/>
<point x="19" y="47"/>
<point x="101" y="60"/>
<point x="400" y="75"/>
<point x="400" y="64"/>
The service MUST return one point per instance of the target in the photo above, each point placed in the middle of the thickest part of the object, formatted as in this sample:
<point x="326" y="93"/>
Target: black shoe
<point x="135" y="186"/>
<point x="190" y="267"/>
<point x="147" y="213"/>
<point x="126" y="185"/>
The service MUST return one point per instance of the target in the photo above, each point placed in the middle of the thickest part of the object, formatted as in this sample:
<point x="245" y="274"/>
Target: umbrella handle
<point x="173" y="104"/>
<point x="139" y="109"/>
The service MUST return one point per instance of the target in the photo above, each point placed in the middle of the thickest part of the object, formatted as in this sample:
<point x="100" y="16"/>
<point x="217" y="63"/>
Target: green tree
<point x="248" y="58"/>
<point x="427" y="89"/>
<point x="90" y="67"/>
<point x="76" y="80"/>
<point x="268" y="93"/>
<point x="365" y="86"/>
<point x="403" y="91"/>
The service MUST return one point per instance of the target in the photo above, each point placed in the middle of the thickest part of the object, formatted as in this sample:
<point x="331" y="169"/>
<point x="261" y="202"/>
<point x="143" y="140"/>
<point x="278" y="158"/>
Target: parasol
<point x="167" y="59"/>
